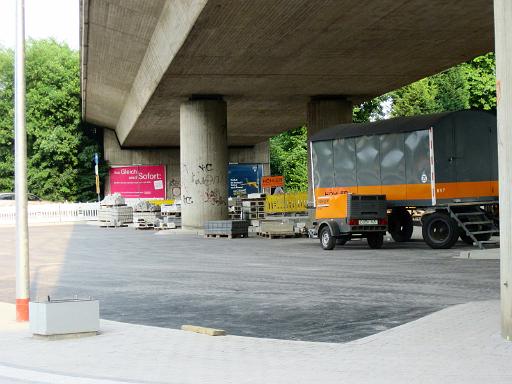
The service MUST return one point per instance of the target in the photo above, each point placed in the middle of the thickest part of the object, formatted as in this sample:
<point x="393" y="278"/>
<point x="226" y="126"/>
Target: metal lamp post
<point x="20" y="152"/>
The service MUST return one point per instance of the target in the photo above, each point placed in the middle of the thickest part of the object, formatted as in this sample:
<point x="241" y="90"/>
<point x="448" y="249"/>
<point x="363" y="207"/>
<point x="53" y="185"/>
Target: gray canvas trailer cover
<point x="422" y="160"/>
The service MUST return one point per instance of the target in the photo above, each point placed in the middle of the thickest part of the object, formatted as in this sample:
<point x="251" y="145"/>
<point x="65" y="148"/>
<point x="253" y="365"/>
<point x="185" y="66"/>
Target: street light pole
<point x="20" y="152"/>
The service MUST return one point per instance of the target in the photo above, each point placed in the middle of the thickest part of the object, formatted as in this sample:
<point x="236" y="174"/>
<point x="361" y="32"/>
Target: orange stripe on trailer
<point x="404" y="192"/>
<point x="22" y="309"/>
<point x="394" y="192"/>
<point x="418" y="192"/>
<point x="466" y="189"/>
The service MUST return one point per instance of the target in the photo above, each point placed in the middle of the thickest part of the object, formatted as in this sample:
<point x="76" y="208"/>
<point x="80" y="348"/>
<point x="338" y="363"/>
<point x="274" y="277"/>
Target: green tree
<point x="481" y="78"/>
<point x="59" y="147"/>
<point x="468" y="85"/>
<point x="288" y="157"/>
<point x="6" y="120"/>
<point x="370" y="110"/>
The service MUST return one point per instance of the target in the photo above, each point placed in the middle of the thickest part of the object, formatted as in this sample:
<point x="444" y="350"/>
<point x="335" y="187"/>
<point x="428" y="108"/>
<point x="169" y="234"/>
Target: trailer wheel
<point x="440" y="231"/>
<point x="400" y="225"/>
<point x="375" y="240"/>
<point x="327" y="240"/>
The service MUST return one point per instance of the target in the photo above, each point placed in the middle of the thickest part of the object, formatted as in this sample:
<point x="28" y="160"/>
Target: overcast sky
<point x="43" y="18"/>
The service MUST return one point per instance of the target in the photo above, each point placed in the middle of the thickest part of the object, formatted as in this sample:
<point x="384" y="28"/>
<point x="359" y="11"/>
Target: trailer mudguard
<point x="333" y="226"/>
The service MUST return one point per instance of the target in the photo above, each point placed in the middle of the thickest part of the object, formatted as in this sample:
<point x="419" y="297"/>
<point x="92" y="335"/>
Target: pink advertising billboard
<point x="138" y="181"/>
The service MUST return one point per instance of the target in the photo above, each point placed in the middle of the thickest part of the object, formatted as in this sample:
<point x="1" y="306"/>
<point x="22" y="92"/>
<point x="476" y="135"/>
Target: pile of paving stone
<point x="114" y="212"/>
<point x="226" y="228"/>
<point x="146" y="215"/>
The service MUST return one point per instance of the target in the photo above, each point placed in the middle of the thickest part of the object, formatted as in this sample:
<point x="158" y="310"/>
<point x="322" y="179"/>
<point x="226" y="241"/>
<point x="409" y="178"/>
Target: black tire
<point x="439" y="230"/>
<point x="327" y="240"/>
<point x="400" y="225"/>
<point x="375" y="240"/>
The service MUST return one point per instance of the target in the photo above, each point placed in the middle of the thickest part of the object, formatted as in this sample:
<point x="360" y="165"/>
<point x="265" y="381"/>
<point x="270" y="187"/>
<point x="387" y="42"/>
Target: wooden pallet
<point x="277" y="235"/>
<point x="145" y="227"/>
<point x="113" y="226"/>
<point x="164" y="227"/>
<point x="237" y="236"/>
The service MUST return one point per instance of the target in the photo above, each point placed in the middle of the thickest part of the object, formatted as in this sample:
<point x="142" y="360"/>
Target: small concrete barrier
<point x="203" y="330"/>
<point x="54" y="319"/>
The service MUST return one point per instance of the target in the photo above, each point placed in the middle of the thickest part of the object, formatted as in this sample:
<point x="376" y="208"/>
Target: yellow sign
<point x="161" y="202"/>
<point x="286" y="203"/>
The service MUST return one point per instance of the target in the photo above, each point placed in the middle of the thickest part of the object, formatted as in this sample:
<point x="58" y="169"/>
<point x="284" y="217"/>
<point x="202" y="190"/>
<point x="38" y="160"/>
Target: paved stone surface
<point x="460" y="344"/>
<point x="288" y="288"/>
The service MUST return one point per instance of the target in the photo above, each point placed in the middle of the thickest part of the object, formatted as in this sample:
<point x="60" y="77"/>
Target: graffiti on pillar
<point x="204" y="176"/>
<point x="208" y="167"/>
<point x="206" y="180"/>
<point x="214" y="197"/>
<point x="207" y="185"/>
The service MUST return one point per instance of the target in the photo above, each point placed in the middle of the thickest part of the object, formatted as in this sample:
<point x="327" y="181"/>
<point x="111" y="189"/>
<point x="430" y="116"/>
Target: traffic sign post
<point x="97" y="174"/>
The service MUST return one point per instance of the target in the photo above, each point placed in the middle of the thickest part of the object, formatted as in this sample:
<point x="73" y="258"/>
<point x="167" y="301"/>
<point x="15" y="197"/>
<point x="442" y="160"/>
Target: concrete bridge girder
<point x="266" y="57"/>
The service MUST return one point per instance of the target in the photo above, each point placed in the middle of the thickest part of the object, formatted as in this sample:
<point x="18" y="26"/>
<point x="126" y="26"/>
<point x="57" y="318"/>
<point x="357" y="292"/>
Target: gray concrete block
<point x="64" y="317"/>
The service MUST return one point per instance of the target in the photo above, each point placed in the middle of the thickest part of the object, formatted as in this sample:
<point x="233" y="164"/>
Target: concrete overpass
<point x="206" y="75"/>
<point x="142" y="59"/>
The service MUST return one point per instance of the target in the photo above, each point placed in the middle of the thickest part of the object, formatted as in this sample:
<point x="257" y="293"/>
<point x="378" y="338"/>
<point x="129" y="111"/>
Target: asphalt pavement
<point x="275" y="288"/>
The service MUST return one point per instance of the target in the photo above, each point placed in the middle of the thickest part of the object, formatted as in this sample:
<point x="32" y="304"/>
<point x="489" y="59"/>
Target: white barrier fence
<point x="52" y="212"/>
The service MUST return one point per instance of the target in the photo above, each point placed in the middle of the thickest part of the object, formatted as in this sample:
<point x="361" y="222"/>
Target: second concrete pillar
<point x="204" y="162"/>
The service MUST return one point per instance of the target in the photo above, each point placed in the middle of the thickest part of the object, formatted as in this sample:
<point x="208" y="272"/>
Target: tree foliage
<point x="370" y="110"/>
<point x="468" y="85"/>
<point x="288" y="157"/>
<point x="59" y="147"/>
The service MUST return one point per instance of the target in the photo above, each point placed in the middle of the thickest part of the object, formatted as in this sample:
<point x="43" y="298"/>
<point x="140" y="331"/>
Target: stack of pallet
<point x="235" y="208"/>
<point x="146" y="215"/>
<point x="274" y="229"/>
<point x="253" y="206"/>
<point x="114" y="212"/>
<point x="226" y="228"/>
<point x="171" y="216"/>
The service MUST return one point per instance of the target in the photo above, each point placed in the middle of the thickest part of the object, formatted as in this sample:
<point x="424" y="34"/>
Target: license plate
<point x="368" y="222"/>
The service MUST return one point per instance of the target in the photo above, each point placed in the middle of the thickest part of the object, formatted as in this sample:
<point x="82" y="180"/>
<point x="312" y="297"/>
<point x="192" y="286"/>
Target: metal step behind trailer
<point x="445" y="163"/>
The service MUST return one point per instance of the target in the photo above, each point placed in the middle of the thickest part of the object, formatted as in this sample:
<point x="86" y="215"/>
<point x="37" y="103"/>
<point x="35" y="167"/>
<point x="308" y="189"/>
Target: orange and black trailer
<point x="445" y="163"/>
<point x="342" y="216"/>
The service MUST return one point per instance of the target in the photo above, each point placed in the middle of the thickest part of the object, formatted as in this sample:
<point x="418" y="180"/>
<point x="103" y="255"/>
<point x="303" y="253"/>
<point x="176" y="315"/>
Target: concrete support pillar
<point x="324" y="112"/>
<point x="204" y="162"/>
<point x="503" y="39"/>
